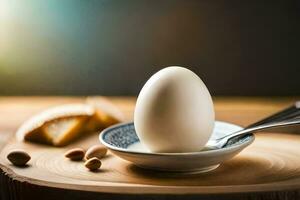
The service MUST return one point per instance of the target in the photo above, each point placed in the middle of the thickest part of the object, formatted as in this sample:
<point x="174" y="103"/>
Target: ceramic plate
<point x="122" y="140"/>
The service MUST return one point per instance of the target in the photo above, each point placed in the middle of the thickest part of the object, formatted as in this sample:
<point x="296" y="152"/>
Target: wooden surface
<point x="268" y="169"/>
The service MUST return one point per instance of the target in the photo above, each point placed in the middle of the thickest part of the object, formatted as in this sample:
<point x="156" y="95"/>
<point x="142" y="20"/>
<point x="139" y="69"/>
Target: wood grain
<point x="268" y="169"/>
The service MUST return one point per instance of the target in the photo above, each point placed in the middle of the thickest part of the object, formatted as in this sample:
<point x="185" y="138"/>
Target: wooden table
<point x="239" y="110"/>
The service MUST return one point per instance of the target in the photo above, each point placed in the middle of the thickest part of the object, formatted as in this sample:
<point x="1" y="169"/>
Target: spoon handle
<point x="290" y="122"/>
<point x="285" y="114"/>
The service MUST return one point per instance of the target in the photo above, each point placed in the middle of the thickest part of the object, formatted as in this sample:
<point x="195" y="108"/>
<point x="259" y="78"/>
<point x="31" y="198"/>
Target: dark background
<point x="111" y="47"/>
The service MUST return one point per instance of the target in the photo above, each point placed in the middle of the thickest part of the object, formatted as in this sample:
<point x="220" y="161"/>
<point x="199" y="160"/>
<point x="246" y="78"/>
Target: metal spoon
<point x="221" y="142"/>
<point x="290" y="112"/>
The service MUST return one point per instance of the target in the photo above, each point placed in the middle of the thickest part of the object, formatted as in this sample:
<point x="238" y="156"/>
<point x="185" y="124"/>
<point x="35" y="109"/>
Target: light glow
<point x="5" y="10"/>
<point x="6" y="24"/>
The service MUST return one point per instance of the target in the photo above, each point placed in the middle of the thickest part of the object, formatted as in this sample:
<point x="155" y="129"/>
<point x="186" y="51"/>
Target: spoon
<point x="285" y="114"/>
<point x="223" y="141"/>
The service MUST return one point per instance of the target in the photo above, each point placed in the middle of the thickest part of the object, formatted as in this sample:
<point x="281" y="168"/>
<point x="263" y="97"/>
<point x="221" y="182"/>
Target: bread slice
<point x="64" y="131"/>
<point x="106" y="113"/>
<point x="56" y="126"/>
<point x="59" y="126"/>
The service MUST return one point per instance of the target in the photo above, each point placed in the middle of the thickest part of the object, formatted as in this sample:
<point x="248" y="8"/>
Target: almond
<point x="75" y="154"/>
<point x="93" y="164"/>
<point x="97" y="151"/>
<point x="18" y="157"/>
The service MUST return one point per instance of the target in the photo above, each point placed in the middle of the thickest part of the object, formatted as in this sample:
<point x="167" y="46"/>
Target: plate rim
<point x="213" y="151"/>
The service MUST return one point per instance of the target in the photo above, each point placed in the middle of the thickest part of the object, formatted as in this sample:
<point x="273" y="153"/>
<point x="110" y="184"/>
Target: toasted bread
<point x="56" y="126"/>
<point x="59" y="126"/>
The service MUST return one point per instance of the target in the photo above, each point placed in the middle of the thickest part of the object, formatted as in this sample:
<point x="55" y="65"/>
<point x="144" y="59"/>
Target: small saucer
<point x="122" y="140"/>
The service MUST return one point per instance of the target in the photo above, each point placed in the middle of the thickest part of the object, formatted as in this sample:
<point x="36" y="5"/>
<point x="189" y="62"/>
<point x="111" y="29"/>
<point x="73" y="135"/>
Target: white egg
<point x="174" y="112"/>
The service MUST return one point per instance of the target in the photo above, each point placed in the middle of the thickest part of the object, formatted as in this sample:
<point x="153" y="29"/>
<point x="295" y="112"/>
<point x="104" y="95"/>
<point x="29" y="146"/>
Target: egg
<point x="174" y="112"/>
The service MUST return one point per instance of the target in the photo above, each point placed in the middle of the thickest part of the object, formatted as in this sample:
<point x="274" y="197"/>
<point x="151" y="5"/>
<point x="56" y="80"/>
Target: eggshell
<point x="174" y="112"/>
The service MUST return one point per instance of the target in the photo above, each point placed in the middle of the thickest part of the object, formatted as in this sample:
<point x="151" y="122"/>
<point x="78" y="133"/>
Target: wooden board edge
<point x="15" y="189"/>
<point x="8" y="176"/>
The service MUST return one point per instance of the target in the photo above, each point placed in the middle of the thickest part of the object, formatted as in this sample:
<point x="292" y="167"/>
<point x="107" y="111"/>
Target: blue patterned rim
<point x="120" y="136"/>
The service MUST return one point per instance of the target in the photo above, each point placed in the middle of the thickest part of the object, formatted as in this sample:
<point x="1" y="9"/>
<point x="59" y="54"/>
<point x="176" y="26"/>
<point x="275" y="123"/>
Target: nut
<point x="75" y="154"/>
<point x="93" y="164"/>
<point x="18" y="157"/>
<point x="97" y="151"/>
